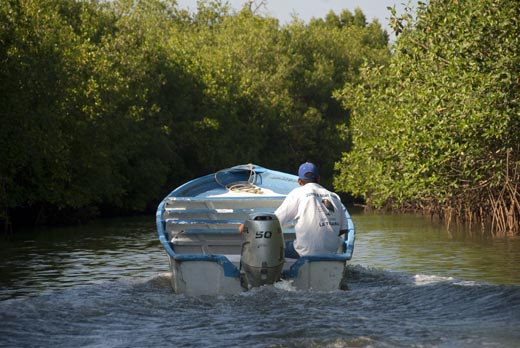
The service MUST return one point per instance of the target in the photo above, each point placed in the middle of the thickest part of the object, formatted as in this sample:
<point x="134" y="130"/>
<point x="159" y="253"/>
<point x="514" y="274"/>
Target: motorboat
<point x="198" y="226"/>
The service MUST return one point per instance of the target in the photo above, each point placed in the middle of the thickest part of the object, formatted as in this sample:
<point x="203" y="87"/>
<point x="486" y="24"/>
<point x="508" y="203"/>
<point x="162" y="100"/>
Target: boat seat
<point x="221" y="243"/>
<point x="219" y="214"/>
<point x="210" y="225"/>
<point x="187" y="203"/>
<point x="213" y="214"/>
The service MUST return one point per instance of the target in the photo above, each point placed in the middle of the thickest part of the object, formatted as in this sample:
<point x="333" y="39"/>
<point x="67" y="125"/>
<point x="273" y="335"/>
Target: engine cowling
<point x="262" y="256"/>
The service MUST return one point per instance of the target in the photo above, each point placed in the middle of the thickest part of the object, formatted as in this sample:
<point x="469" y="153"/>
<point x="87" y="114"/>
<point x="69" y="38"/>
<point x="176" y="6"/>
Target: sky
<point x="306" y="9"/>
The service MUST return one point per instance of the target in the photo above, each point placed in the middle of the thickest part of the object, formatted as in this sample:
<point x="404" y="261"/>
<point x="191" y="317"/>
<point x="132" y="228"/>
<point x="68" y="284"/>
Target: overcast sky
<point x="306" y="9"/>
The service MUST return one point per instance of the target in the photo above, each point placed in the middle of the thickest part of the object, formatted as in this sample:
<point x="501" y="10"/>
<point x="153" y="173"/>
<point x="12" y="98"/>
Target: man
<point x="319" y="220"/>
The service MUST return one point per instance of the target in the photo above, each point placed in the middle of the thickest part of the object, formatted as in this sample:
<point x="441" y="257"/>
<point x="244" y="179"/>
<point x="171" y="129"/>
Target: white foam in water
<point x="468" y="283"/>
<point x="285" y="285"/>
<point x="423" y="279"/>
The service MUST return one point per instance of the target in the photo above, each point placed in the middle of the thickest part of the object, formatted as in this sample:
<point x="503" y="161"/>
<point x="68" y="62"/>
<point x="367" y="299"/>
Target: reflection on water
<point x="415" y="244"/>
<point x="411" y="284"/>
<point x="61" y="257"/>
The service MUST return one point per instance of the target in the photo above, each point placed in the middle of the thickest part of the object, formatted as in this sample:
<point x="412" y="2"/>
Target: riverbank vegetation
<point x="105" y="106"/>
<point x="438" y="129"/>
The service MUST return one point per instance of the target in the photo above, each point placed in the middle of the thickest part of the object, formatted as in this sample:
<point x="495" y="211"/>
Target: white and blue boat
<point x="198" y="225"/>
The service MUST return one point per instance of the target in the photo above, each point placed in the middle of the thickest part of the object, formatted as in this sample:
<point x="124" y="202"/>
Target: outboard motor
<point x="262" y="250"/>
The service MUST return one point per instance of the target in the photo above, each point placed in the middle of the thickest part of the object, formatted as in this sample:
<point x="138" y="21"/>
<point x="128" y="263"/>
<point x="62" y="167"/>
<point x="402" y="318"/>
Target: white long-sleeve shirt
<point x="318" y="216"/>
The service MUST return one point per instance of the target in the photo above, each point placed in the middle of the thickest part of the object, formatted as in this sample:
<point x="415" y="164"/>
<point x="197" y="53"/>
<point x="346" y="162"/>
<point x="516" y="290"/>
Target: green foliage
<point x="109" y="105"/>
<point x="439" y="127"/>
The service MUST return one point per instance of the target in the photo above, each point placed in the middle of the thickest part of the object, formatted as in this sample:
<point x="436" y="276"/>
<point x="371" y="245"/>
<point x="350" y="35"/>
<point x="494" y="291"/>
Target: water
<point x="411" y="284"/>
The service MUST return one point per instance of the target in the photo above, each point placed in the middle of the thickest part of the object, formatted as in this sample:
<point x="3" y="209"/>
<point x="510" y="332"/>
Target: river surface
<point x="411" y="284"/>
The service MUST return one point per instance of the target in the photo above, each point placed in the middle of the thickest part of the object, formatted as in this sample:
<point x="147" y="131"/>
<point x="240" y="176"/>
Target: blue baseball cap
<point x="308" y="171"/>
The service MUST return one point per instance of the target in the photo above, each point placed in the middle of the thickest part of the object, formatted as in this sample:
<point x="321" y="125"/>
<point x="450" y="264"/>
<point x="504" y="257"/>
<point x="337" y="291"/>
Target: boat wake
<point x="381" y="308"/>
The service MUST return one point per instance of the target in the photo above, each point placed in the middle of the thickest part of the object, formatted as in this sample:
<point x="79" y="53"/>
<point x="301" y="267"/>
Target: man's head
<point x="308" y="172"/>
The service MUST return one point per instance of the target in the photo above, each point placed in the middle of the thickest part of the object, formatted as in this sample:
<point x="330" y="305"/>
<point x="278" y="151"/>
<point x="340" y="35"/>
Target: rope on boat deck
<point x="241" y="186"/>
<point x="244" y="187"/>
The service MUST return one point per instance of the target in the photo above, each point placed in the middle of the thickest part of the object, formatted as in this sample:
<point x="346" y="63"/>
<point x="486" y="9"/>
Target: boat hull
<point x="197" y="278"/>
<point x="321" y="276"/>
